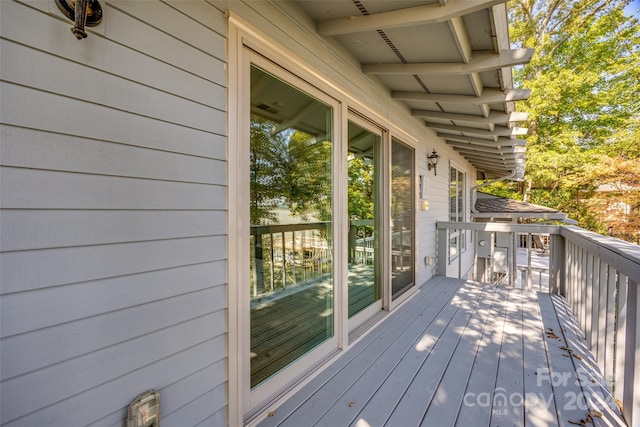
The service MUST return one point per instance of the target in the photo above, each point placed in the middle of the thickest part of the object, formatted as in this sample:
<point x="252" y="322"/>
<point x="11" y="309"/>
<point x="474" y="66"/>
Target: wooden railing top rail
<point x="500" y="227"/>
<point x="280" y="228"/>
<point x="623" y="256"/>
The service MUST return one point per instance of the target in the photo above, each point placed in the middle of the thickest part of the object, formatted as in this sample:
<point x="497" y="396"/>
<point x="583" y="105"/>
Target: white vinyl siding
<point x="113" y="225"/>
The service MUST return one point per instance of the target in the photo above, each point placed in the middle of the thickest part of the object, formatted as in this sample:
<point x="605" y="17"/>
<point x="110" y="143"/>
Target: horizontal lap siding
<point x="113" y="225"/>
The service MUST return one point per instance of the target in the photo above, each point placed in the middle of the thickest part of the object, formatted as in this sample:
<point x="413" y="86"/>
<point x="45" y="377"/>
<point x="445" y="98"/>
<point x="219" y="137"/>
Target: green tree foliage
<point x="288" y="169"/>
<point x="265" y="190"/>
<point x="585" y="103"/>
<point x="303" y="170"/>
<point x="361" y="188"/>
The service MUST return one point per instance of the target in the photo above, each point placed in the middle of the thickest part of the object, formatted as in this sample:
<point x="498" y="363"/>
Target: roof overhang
<point x="448" y="61"/>
<point x="496" y="207"/>
<point x="558" y="216"/>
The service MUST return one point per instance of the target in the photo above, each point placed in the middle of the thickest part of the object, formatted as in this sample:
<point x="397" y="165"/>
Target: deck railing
<point x="598" y="275"/>
<point x="289" y="255"/>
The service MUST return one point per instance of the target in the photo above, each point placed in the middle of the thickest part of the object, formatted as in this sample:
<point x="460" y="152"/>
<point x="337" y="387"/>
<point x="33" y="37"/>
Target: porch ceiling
<point x="449" y="61"/>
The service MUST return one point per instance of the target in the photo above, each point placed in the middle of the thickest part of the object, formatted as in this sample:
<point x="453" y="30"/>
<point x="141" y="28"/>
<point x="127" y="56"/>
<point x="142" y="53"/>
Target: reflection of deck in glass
<point x="289" y="323"/>
<point x="282" y="256"/>
<point x="285" y="328"/>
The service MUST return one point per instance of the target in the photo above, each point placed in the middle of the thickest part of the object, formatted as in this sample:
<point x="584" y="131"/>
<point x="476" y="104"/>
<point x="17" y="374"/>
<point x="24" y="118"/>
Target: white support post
<point x="513" y="261"/>
<point x="529" y="261"/>
<point x="602" y="315"/>
<point x="583" y="288"/>
<point x="621" y="336"/>
<point x="631" y="400"/>
<point x="595" y="307"/>
<point x="573" y="271"/>
<point x="588" y="295"/>
<point x="557" y="277"/>
<point x="443" y="247"/>
<point x="610" y="326"/>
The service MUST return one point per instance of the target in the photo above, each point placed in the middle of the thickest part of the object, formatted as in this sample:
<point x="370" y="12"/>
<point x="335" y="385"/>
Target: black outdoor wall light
<point x="433" y="161"/>
<point x="82" y="12"/>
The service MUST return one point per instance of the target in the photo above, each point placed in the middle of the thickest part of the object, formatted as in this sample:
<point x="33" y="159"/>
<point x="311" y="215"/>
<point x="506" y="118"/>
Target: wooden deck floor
<point x="460" y="354"/>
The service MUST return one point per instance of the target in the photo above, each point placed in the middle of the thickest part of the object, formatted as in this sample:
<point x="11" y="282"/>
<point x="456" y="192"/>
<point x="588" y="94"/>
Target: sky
<point x="633" y="8"/>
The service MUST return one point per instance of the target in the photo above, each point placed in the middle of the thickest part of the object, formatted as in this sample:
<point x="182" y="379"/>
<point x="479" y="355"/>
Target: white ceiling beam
<point x="486" y="109"/>
<point x="485" y="149"/>
<point x="501" y="142"/>
<point x="305" y="112"/>
<point x="461" y="38"/>
<point x="427" y="14"/>
<point x="476" y="83"/>
<point x="499" y="169"/>
<point x="482" y="166"/>
<point x="493" y="117"/>
<point x="480" y="61"/>
<point x="489" y="96"/>
<point x="498" y="131"/>
<point x="487" y="161"/>
<point x="488" y="158"/>
<point x="500" y="154"/>
<point x="489" y="154"/>
<point x="493" y="165"/>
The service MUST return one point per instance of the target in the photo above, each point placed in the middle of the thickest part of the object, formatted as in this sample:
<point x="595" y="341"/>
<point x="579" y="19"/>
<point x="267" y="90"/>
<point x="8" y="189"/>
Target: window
<point x="457" y="238"/>
<point x="402" y="218"/>
<point x="364" y="197"/>
<point x="290" y="208"/>
<point x="322" y="225"/>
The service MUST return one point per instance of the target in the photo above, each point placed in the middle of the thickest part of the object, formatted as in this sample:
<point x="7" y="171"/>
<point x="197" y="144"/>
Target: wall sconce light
<point x="82" y="12"/>
<point x="433" y="161"/>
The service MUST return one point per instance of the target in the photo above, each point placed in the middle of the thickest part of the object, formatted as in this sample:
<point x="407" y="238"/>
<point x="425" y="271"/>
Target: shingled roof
<point x="490" y="206"/>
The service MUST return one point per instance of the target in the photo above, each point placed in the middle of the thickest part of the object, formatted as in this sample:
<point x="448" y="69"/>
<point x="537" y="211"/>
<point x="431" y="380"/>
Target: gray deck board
<point x="449" y="396"/>
<point x="509" y="393"/>
<point x="539" y="398"/>
<point x="459" y="353"/>
<point x="478" y="397"/>
<point x="320" y="393"/>
<point x="561" y="372"/>
<point x="412" y="406"/>
<point x="603" y="410"/>
<point x="397" y="386"/>
<point x="364" y="373"/>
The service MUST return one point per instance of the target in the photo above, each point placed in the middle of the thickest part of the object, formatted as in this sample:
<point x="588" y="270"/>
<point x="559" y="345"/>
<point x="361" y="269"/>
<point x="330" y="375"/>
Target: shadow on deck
<point x="460" y="354"/>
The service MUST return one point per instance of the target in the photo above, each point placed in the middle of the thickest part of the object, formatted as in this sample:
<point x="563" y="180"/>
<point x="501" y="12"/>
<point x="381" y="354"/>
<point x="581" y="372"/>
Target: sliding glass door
<point x="330" y="227"/>
<point x="291" y="213"/>
<point x="364" y="160"/>
<point x="402" y="218"/>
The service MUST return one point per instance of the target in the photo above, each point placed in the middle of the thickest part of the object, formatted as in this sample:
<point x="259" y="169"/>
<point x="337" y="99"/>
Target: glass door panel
<point x="291" y="245"/>
<point x="364" y="196"/>
<point x="402" y="218"/>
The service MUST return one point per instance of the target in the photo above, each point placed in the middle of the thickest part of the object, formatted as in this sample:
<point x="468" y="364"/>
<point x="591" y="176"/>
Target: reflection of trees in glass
<point x="264" y="191"/>
<point x="305" y="167"/>
<point x="401" y="199"/>
<point x="361" y="193"/>
<point x="289" y="168"/>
